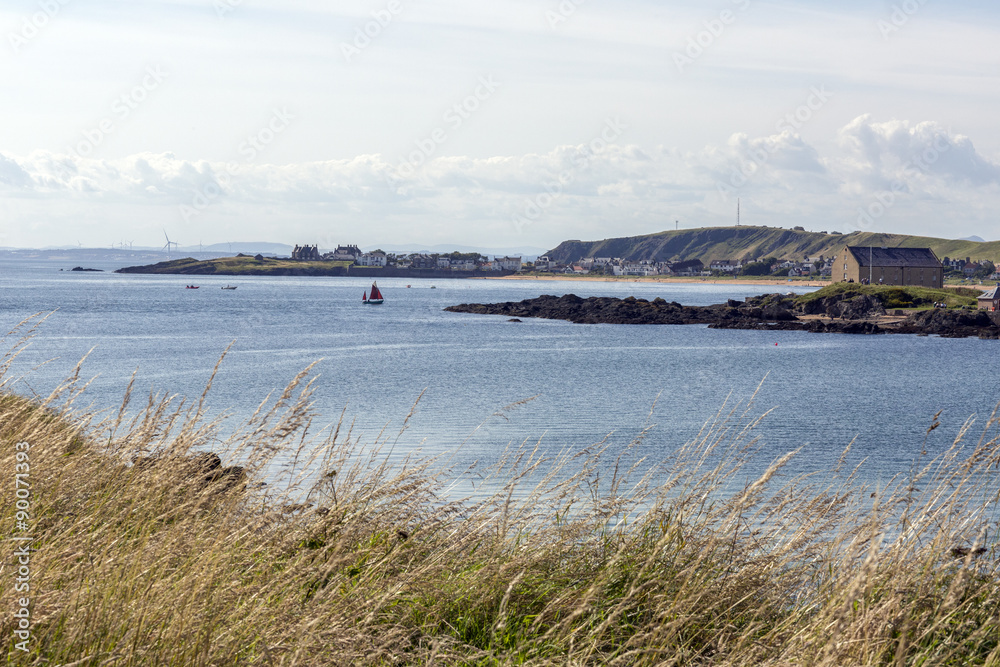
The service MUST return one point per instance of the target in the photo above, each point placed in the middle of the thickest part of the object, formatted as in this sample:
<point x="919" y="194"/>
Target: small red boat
<point x="375" y="298"/>
<point x="192" y="286"/>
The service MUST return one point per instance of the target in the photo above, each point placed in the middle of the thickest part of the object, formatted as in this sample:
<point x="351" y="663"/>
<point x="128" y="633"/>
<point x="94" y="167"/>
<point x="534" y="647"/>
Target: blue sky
<point x="493" y="123"/>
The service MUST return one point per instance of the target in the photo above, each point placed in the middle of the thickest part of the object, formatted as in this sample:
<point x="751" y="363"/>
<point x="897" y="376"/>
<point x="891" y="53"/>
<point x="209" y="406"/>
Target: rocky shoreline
<point x="861" y="314"/>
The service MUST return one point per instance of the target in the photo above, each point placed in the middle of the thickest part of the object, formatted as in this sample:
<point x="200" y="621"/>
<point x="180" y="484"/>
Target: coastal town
<point x="455" y="261"/>
<point x="819" y="266"/>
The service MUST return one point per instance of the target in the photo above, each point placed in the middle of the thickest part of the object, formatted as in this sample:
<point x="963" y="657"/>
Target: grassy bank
<point x="145" y="555"/>
<point x="240" y="266"/>
<point x="892" y="296"/>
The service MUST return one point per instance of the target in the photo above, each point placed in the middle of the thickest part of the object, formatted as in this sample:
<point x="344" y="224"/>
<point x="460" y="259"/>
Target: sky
<point x="506" y="123"/>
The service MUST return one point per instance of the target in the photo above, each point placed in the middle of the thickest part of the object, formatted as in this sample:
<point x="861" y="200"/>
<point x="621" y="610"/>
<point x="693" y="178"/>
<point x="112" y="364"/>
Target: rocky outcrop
<point x="860" y="307"/>
<point x="771" y="310"/>
<point x="952" y="323"/>
<point x="201" y="469"/>
<point x="859" y="314"/>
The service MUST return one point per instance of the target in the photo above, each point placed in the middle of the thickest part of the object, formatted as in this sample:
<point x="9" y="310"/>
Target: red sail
<point x="376" y="294"/>
<point x="364" y="297"/>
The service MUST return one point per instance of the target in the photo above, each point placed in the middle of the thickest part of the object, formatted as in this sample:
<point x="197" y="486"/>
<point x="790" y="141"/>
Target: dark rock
<point x="202" y="467"/>
<point x="852" y="314"/>
<point x="861" y="307"/>
<point x="963" y="552"/>
<point x="229" y="477"/>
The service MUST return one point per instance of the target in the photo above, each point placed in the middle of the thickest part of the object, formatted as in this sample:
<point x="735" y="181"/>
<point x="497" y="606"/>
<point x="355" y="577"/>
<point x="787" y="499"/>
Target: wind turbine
<point x="168" y="244"/>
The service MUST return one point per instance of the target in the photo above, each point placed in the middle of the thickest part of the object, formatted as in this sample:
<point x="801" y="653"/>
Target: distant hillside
<point x="712" y="243"/>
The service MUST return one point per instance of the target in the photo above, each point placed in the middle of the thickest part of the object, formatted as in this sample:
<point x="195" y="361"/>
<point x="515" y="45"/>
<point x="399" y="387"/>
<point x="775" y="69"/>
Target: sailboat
<point x="375" y="298"/>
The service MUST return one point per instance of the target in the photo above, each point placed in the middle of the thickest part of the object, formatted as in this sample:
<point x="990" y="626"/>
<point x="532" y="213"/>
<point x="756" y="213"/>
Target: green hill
<point x="712" y="243"/>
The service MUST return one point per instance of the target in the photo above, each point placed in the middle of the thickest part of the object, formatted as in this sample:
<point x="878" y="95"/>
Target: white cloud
<point x="578" y="191"/>
<point x="881" y="152"/>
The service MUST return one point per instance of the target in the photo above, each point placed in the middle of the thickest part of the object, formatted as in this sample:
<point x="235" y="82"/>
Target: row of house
<point x="967" y="267"/>
<point x="621" y="267"/>
<point x="811" y="266"/>
<point x="458" y="262"/>
<point x="378" y="258"/>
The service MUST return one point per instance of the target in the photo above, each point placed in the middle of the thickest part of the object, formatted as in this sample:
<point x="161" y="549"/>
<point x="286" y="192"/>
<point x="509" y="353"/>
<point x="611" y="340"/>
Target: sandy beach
<point x="775" y="282"/>
<point x="771" y="282"/>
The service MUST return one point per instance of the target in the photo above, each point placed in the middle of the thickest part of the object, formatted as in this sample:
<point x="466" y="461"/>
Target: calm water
<point x="587" y="380"/>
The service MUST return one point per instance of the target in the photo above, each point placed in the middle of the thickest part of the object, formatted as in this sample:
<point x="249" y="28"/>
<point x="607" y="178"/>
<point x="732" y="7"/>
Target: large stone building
<point x="306" y="252"/>
<point x="888" y="266"/>
<point x="347" y="253"/>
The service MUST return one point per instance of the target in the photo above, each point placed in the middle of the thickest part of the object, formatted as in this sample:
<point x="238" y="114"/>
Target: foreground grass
<point x="145" y="558"/>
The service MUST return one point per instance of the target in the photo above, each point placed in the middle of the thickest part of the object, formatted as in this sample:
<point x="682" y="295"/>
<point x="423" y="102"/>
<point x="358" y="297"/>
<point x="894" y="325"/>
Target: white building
<point x="371" y="259"/>
<point x="726" y="265"/>
<point x="544" y="263"/>
<point x="508" y="263"/>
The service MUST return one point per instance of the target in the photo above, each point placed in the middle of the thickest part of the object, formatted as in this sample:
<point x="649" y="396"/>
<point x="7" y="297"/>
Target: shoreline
<point x="704" y="281"/>
<point x="662" y="279"/>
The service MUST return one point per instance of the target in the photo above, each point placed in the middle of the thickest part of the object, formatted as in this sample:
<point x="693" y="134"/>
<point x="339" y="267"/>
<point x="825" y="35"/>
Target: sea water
<point x="474" y="374"/>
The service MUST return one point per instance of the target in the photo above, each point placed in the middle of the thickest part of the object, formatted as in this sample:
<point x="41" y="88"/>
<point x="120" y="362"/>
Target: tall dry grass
<point x="146" y="554"/>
